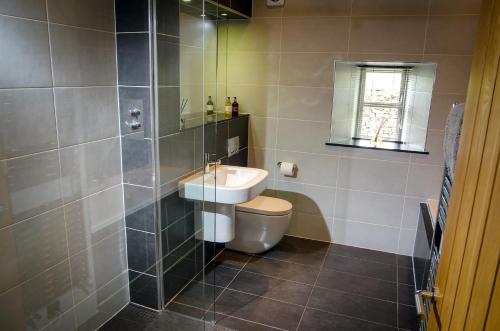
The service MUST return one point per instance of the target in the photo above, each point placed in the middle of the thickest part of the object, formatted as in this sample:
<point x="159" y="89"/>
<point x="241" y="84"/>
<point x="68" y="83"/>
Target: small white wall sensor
<point x="275" y="3"/>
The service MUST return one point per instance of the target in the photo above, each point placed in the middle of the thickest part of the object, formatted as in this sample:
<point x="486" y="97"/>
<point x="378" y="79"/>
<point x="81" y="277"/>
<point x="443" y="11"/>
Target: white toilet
<point x="260" y="224"/>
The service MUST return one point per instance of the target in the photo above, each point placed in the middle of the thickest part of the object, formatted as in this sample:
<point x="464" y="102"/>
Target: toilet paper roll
<point x="287" y="169"/>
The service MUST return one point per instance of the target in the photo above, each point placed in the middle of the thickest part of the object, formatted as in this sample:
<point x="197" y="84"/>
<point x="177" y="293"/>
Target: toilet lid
<point x="266" y="206"/>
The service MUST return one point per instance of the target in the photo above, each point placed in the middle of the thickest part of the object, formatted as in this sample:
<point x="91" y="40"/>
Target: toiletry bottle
<point x="228" y="107"/>
<point x="235" y="107"/>
<point x="210" y="106"/>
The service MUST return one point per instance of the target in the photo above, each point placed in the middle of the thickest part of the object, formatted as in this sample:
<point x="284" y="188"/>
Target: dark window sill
<point x="386" y="146"/>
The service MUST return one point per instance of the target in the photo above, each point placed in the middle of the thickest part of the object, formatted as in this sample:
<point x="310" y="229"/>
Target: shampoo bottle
<point x="235" y="107"/>
<point x="228" y="107"/>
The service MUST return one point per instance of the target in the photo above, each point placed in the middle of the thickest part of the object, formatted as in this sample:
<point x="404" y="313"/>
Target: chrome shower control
<point x="134" y="112"/>
<point x="134" y="125"/>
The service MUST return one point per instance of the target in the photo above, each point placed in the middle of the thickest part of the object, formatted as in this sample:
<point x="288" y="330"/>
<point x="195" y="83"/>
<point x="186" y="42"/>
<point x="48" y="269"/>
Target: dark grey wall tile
<point x="98" y="265"/>
<point x="133" y="59"/>
<point x="178" y="277"/>
<point x="94" y="218"/>
<point x="167" y="17"/>
<point x="139" y="208"/>
<point x="95" y="14"/>
<point x="90" y="168"/>
<point x="29" y="186"/>
<point x="82" y="57"/>
<point x="135" y="98"/>
<point x="25" y="59"/>
<point x="176" y="155"/>
<point x="173" y="208"/>
<point x="32" y="305"/>
<point x="24" y="8"/>
<point x="168" y="110"/>
<point x="168" y="61"/>
<point x="240" y="159"/>
<point x="137" y="160"/>
<point x="141" y="251"/>
<point x="143" y="289"/>
<point x="215" y="137"/>
<point x="28" y="123"/>
<point x="86" y="114"/>
<point x="30" y="247"/>
<point x="132" y="15"/>
<point x="239" y="127"/>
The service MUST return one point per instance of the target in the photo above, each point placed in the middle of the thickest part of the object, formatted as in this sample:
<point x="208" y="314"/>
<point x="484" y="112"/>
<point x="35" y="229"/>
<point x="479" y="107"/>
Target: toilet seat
<point x="268" y="206"/>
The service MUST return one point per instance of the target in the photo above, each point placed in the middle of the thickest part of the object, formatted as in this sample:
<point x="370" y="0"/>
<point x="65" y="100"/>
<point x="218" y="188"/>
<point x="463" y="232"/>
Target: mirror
<point x="382" y="105"/>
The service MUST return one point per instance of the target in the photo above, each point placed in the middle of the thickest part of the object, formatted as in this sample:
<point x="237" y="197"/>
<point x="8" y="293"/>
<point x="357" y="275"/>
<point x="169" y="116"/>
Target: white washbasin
<point x="224" y="184"/>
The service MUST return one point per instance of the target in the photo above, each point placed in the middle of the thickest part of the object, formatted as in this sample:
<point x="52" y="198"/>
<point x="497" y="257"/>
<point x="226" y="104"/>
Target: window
<point x="381" y="103"/>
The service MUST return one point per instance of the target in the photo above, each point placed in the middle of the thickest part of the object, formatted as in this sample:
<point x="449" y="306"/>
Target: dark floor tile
<point x="281" y="269"/>
<point x="184" y="310"/>
<point x="318" y="320"/>
<point x="361" y="267"/>
<point x="199" y="295"/>
<point x="225" y="323"/>
<point x="258" y="309"/>
<point x="217" y="275"/>
<point x="171" y="321"/>
<point x="370" y="287"/>
<point x="273" y="288"/>
<point x="405" y="276"/>
<point x="405" y="261"/>
<point x="137" y="314"/>
<point x="118" y="324"/>
<point x="406" y="294"/>
<point x="298" y="250"/>
<point x="232" y="259"/>
<point x="361" y="307"/>
<point x="361" y="253"/>
<point x="407" y="316"/>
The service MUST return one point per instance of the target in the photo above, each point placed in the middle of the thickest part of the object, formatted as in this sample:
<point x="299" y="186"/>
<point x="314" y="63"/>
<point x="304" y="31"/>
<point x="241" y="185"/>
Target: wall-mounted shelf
<point x="222" y="9"/>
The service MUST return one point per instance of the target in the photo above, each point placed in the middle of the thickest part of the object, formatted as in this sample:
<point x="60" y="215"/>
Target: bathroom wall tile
<point x="308" y="69"/>
<point x="176" y="155"/>
<point x="452" y="75"/>
<point x="310" y="226"/>
<point x="133" y="59"/>
<point x="141" y="251"/>
<point x="406" y="242"/>
<point x="91" y="269"/>
<point x="131" y="16"/>
<point x="90" y="168"/>
<point x="240" y="159"/>
<point x="29" y="306"/>
<point x="168" y="110"/>
<point x="143" y="290"/>
<point x="215" y="140"/>
<point x="377" y="208"/>
<point x="260" y="9"/>
<point x="28" y="122"/>
<point x="253" y="68"/>
<point x="384" y="57"/>
<point x="263" y="159"/>
<point x="65" y="321"/>
<point x="311" y="168"/>
<point x="451" y="35"/>
<point x="98" y="308"/>
<point x="29" y="186"/>
<point x="315" y="34"/>
<point x="135" y="98"/>
<point x="139" y="208"/>
<point x="173" y="208"/>
<point x="137" y="157"/>
<point x="389" y="7"/>
<point x="303" y="103"/>
<point x="440" y="107"/>
<point x="424" y="181"/>
<point x="365" y="235"/>
<point x="317" y="8"/>
<point x="86" y="114"/>
<point x="95" y="14"/>
<point x="94" y="218"/>
<point x="194" y="31"/>
<point x="434" y="145"/>
<point x="168" y="65"/>
<point x="374" y="154"/>
<point x="402" y="34"/>
<point x="34" y="9"/>
<point x="262" y="132"/>
<point x="317" y="133"/>
<point x="448" y="7"/>
<point x="372" y="175"/>
<point x="167" y="12"/>
<point x="316" y="200"/>
<point x="30" y="247"/>
<point x="239" y="127"/>
<point x="411" y="212"/>
<point x="256" y="100"/>
<point x="25" y="59"/>
<point x="82" y="57"/>
<point x="255" y="35"/>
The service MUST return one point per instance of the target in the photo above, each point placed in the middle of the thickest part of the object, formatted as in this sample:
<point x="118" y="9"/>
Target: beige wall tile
<point x="255" y="35"/>
<point x="262" y="132"/>
<point x="440" y="107"/>
<point x="406" y="242"/>
<point x="311" y="168"/>
<point x="308" y="69"/>
<point x="258" y="100"/>
<point x="389" y="7"/>
<point x="451" y="35"/>
<point x="304" y="136"/>
<point x="434" y="145"/>
<point x="315" y="34"/>
<point x="263" y="159"/>
<point x="452" y="73"/>
<point x="310" y="226"/>
<point x="388" y="34"/>
<point x="253" y="68"/>
<point x="446" y="7"/>
<point x="310" y="199"/>
<point x="305" y="103"/>
<point x="317" y="8"/>
<point x="385" y="57"/>
<point x="424" y="181"/>
<point x="411" y="212"/>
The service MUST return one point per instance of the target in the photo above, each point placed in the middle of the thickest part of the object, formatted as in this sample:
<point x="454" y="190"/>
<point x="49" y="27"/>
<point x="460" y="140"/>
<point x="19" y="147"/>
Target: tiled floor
<point x="299" y="285"/>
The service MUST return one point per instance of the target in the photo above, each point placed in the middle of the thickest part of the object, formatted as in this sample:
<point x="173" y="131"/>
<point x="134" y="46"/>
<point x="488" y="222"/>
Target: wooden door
<point x="468" y="278"/>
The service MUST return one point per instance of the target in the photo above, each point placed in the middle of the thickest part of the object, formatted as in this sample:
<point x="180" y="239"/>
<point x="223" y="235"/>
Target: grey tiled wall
<point x="62" y="237"/>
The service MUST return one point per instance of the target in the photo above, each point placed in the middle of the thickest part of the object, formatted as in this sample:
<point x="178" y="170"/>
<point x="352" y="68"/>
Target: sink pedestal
<point x="218" y="222"/>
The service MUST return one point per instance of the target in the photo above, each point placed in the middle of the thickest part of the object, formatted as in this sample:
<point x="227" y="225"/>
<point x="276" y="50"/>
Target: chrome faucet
<point x="209" y="163"/>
